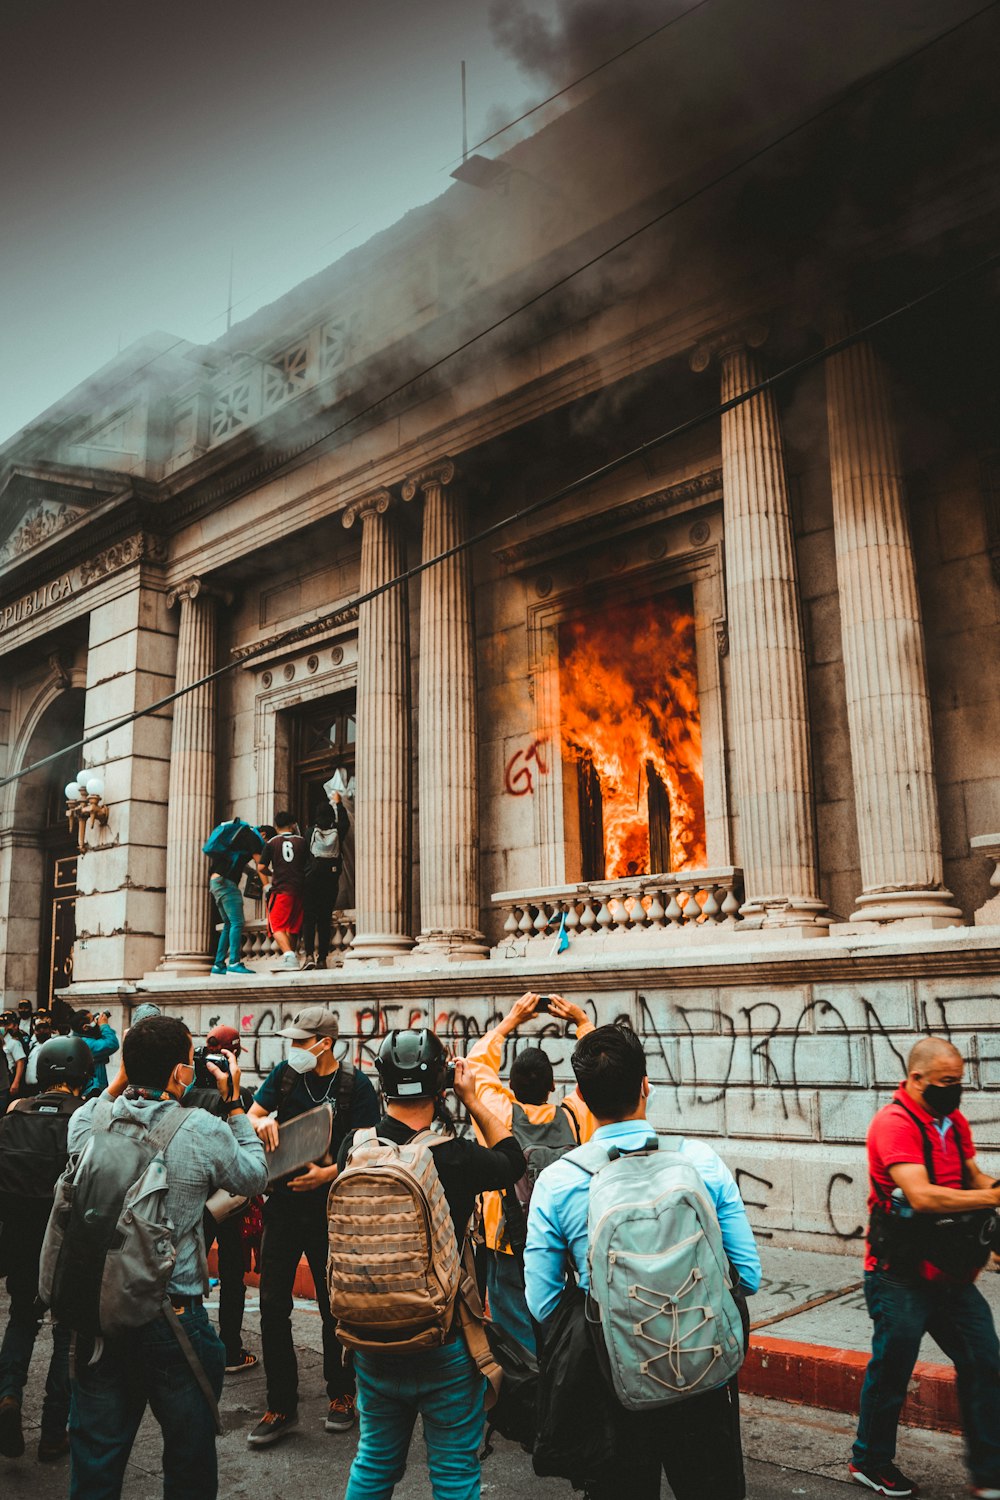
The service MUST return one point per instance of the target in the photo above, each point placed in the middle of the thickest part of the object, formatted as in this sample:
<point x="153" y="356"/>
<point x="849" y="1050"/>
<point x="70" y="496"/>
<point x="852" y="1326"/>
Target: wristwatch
<point x="233" y="1107"/>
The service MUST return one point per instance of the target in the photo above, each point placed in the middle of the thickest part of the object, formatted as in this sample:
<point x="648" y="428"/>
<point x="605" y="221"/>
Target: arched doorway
<point x="43" y="858"/>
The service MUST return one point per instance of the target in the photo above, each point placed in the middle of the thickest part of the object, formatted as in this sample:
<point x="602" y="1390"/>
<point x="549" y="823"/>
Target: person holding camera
<point x="115" y="1378"/>
<point x="526" y="1107"/>
<point x="444" y="1383"/>
<point x="227" y="1233"/>
<point x="295" y="1216"/>
<point x="920" y="1270"/>
<point x="102" y="1041"/>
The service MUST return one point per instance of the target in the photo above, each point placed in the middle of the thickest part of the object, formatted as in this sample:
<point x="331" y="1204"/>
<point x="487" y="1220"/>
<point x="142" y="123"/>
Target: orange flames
<point x="629" y="691"/>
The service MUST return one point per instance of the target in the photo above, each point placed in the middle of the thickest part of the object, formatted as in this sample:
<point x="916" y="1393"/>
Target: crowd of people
<point x="601" y="1252"/>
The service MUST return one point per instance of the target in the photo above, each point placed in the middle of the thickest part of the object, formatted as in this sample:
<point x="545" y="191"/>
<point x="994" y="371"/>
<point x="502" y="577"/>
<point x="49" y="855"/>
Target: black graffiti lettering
<point x="742" y="1175"/>
<point x="842" y="1234"/>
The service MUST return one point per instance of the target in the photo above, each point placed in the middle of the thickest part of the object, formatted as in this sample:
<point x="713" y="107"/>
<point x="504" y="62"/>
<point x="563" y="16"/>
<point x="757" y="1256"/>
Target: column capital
<point x="747" y="335"/>
<point x="193" y="587"/>
<point x="440" y="473"/>
<point x="376" y="503"/>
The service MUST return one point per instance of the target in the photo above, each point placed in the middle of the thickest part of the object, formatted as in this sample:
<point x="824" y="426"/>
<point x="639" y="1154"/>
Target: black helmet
<point x="412" y="1065"/>
<point x="64" y="1059"/>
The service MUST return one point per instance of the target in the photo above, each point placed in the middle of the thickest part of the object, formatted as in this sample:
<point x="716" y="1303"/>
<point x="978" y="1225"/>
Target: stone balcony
<point x="260" y="951"/>
<point x="638" y="915"/>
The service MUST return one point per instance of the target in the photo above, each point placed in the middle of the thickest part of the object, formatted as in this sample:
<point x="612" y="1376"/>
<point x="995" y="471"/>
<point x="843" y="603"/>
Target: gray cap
<point x="144" y="1011"/>
<point x="315" y="1020"/>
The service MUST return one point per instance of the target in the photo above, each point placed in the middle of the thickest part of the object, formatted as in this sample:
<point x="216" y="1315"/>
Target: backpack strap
<point x="100" y="1119"/>
<point x="195" y="1364"/>
<point x="472" y="1320"/>
<point x="345" y="1087"/>
<point x="161" y="1132"/>
<point x="573" y="1121"/>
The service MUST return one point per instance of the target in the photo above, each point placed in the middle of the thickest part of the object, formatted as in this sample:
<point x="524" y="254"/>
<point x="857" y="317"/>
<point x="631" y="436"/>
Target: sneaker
<point x="341" y="1416"/>
<point x="289" y="961"/>
<point x="217" y="969"/>
<point x="240" y="969"/>
<point x="884" y="1479"/>
<point x="310" y="963"/>
<point x="51" y="1448"/>
<point x="272" y="1426"/>
<point x="246" y="1361"/>
<point x="11" y="1436"/>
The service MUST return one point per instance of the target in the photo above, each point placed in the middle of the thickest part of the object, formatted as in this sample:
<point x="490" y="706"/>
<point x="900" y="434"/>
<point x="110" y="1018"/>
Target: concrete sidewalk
<point x="815" y="1355"/>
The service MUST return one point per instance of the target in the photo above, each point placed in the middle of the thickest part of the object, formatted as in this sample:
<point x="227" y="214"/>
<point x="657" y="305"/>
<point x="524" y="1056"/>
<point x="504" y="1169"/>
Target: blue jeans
<point x="110" y="1398"/>
<point x="229" y="900"/>
<point x="446" y="1388"/>
<point x="959" y="1320"/>
<point x="505" y="1287"/>
<point x="21" y="1249"/>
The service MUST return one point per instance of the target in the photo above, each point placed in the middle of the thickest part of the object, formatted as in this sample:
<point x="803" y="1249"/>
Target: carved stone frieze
<point x="533" y="549"/>
<point x="346" y="616"/>
<point x="131" y="549"/>
<point x="42" y="521"/>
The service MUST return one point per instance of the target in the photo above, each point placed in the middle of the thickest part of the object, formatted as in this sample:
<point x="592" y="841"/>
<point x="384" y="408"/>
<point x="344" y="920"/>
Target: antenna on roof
<point x="477" y="171"/>
<point x="465" y="119"/>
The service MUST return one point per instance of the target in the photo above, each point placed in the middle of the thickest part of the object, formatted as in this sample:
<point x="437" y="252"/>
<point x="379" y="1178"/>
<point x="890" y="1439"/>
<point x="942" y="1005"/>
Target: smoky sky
<point x="144" y="146"/>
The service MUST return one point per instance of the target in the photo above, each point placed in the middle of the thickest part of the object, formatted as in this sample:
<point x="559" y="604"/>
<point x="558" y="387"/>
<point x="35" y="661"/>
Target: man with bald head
<point x="920" y="1150"/>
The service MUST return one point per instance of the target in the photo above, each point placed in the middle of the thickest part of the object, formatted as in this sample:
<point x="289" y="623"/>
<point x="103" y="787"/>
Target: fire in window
<point x="630" y="723"/>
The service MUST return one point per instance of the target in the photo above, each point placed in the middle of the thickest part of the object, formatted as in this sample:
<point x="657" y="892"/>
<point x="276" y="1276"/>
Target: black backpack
<point x="33" y="1151"/>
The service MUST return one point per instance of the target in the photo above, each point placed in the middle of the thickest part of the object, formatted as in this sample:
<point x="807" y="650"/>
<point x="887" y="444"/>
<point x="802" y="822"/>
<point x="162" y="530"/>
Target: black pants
<point x="20" y="1251"/>
<point x="695" y="1442"/>
<point x="320" y="900"/>
<point x="232" y="1287"/>
<point x="295" y="1225"/>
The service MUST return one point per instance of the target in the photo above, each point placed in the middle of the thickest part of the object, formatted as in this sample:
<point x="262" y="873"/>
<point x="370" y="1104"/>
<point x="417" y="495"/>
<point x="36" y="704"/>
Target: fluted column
<point x="767" y="661"/>
<point x="885" y="673"/>
<point x="449" y="803"/>
<point x="383" y="817"/>
<point x="188" y="943"/>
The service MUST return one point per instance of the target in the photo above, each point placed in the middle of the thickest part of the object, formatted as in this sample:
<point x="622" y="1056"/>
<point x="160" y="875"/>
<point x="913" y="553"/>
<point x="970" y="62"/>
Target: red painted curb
<point x="817" y="1375"/>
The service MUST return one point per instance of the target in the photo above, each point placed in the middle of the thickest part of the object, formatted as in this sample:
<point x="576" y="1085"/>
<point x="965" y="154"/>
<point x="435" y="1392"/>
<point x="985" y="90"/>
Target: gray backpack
<point x="108" y="1252"/>
<point x="659" y="1275"/>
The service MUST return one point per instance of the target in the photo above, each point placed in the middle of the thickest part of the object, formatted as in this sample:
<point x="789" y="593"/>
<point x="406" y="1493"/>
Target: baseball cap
<point x="225" y="1037"/>
<point x="313" y="1021"/>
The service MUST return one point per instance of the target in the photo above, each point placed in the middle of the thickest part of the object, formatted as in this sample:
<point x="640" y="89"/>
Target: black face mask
<point x="942" y="1099"/>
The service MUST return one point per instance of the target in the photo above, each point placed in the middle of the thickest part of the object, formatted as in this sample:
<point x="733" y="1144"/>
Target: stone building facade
<point x="707" y="738"/>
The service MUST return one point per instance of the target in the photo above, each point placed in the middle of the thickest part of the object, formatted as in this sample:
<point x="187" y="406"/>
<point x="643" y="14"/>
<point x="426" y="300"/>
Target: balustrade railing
<point x="260" y="950"/>
<point x="635" y="914"/>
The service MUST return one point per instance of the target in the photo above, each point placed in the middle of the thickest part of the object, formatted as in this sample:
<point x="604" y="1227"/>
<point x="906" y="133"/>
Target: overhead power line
<point x="535" y="507"/>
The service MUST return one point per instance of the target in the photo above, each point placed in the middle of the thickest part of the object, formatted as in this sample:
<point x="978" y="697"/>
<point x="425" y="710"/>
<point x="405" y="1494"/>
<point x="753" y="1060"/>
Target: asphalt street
<point x="791" y="1450"/>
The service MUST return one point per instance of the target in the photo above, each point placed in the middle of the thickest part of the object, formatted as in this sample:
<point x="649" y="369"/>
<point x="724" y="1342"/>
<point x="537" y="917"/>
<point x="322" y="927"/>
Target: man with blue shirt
<point x="697" y="1442"/>
<point x="295" y="1217"/>
<point x="102" y="1041"/>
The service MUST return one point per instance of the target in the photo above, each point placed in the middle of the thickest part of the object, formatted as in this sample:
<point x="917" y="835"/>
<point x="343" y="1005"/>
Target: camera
<point x="542" y="1004"/>
<point x="449" y="1076"/>
<point x="202" y="1077"/>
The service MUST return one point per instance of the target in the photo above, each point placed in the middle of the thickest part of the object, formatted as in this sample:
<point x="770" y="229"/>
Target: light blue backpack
<point x="659" y="1275"/>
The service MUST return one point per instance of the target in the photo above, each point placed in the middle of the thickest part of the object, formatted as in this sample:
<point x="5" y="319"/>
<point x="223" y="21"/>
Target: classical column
<point x="188" y="941"/>
<point x="382" y="827"/>
<point x="449" y="811"/>
<point x="885" y="674"/>
<point x="767" y="661"/>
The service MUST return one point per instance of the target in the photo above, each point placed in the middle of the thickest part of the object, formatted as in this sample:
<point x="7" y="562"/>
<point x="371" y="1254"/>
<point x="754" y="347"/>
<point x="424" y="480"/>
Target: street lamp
<point x="85" y="805"/>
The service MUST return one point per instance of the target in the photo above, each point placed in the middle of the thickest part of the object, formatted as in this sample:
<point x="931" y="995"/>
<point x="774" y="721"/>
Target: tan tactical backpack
<point x="394" y="1268"/>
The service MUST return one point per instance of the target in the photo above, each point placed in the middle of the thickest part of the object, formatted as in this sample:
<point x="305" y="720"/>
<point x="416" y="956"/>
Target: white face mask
<point x="300" y="1060"/>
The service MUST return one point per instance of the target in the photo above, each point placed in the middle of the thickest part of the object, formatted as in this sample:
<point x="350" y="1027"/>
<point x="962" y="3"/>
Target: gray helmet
<point x="412" y="1065"/>
<point x="64" y="1059"/>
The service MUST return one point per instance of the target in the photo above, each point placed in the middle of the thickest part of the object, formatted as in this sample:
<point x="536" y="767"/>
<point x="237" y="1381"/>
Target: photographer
<point x="101" y="1040"/>
<point x="229" y="1234"/>
<point x="922" y="1162"/>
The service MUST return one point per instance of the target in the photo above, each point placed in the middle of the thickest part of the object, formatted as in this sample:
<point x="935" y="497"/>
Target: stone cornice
<point x="535" y="549"/>
<point x="284" y="642"/>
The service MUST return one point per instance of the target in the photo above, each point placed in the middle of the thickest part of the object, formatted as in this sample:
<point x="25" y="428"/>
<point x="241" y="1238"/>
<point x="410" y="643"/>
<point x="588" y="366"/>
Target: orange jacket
<point x="484" y="1059"/>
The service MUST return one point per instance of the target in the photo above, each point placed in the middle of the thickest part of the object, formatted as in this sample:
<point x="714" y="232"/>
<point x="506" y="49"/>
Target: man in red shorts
<point x="920" y="1149"/>
<point x="285" y="857"/>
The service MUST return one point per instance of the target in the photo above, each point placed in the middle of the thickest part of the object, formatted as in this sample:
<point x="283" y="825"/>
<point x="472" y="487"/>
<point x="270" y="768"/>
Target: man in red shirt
<point x="921" y="1145"/>
<point x="285" y="858"/>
